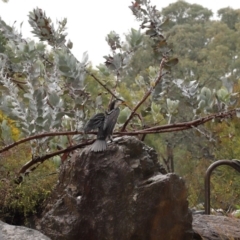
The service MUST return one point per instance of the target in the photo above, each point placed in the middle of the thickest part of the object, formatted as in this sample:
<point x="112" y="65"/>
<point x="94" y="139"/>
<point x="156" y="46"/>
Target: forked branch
<point x="148" y="93"/>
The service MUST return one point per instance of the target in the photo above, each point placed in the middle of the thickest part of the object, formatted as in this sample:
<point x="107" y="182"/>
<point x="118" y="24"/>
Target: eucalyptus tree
<point x="230" y="17"/>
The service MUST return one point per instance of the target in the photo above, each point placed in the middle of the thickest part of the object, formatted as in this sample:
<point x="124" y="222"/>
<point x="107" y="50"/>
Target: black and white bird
<point x="105" y="123"/>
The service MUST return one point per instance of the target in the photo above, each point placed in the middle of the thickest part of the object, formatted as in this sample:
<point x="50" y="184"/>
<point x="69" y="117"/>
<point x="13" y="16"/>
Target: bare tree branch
<point x="38" y="160"/>
<point x="152" y="130"/>
<point x="160" y="75"/>
<point x="102" y="84"/>
<point x="181" y="126"/>
<point x="111" y="92"/>
<point x="53" y="134"/>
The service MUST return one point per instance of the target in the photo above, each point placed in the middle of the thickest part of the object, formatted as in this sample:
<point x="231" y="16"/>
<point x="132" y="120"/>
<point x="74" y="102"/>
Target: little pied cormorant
<point x="105" y="122"/>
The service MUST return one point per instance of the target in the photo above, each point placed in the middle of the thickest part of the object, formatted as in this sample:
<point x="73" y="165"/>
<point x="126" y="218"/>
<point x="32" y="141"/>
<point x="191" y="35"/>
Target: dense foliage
<point x="179" y="71"/>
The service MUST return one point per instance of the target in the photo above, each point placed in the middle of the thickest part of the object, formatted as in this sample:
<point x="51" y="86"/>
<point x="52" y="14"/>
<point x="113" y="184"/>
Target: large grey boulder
<point x="120" y="194"/>
<point x="10" y="232"/>
<point x="210" y="227"/>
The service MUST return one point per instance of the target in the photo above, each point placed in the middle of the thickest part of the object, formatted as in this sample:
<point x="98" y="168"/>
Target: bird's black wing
<point x="95" y="122"/>
<point x="110" y="121"/>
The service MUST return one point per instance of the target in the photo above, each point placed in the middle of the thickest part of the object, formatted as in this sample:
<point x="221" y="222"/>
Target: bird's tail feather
<point x="99" y="146"/>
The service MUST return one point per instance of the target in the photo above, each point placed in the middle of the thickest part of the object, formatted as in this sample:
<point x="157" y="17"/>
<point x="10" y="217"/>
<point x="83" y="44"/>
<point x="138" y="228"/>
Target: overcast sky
<point x="90" y="21"/>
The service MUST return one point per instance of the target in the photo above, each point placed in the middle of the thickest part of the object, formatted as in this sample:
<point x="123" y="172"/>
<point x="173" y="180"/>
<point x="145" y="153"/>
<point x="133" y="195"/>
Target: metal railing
<point x="233" y="163"/>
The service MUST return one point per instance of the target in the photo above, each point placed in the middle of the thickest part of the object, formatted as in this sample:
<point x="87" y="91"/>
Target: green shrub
<point x="19" y="202"/>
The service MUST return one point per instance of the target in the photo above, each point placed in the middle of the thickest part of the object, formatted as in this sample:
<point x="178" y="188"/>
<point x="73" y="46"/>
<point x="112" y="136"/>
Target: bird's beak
<point x="124" y="103"/>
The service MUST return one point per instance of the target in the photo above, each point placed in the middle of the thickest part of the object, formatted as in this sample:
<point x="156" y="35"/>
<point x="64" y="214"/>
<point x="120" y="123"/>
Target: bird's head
<point x="116" y="103"/>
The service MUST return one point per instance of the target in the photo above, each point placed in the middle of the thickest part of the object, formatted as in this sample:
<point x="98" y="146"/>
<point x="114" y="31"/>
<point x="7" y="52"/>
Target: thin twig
<point x="102" y="84"/>
<point x="111" y="92"/>
<point x="53" y="134"/>
<point x="39" y="160"/>
<point x="206" y="135"/>
<point x="146" y="95"/>
<point x="115" y="87"/>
